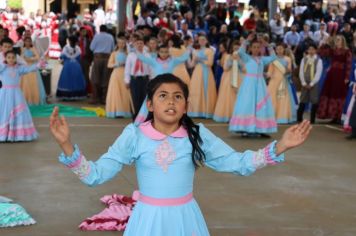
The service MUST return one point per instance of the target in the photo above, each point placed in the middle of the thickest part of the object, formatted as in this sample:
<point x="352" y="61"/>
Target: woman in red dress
<point x="334" y="90"/>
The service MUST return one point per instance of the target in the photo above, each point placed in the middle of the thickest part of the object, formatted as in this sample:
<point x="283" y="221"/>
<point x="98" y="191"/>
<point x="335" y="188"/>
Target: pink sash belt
<point x="11" y="86"/>
<point x="166" y="201"/>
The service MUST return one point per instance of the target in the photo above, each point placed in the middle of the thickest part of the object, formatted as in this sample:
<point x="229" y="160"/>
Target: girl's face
<point x="255" y="49"/>
<point x="202" y="41"/>
<point x="163" y="53"/>
<point x="280" y="50"/>
<point x="235" y="48"/>
<point x="170" y="43"/>
<point x="222" y="48"/>
<point x="168" y="104"/>
<point x="6" y="47"/>
<point x="27" y="43"/>
<point x="139" y="45"/>
<point x="152" y="44"/>
<point x="338" y="42"/>
<point x="121" y="43"/>
<point x="11" y="59"/>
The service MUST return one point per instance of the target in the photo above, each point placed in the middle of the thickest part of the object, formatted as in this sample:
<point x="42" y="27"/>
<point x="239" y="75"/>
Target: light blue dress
<point x="253" y="111"/>
<point x="158" y="67"/>
<point x="164" y="171"/>
<point x="15" y="117"/>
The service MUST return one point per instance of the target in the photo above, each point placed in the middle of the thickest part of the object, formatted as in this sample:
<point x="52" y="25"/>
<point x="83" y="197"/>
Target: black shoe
<point x="265" y="136"/>
<point x="351" y="137"/>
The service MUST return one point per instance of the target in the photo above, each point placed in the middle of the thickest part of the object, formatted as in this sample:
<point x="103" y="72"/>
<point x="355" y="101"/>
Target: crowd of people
<point x="241" y="70"/>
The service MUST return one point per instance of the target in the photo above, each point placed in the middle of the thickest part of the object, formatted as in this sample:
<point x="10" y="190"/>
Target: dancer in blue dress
<point x="71" y="83"/>
<point x="167" y="149"/>
<point x="253" y="113"/>
<point x="15" y="117"/>
<point x="350" y="100"/>
<point x="162" y="64"/>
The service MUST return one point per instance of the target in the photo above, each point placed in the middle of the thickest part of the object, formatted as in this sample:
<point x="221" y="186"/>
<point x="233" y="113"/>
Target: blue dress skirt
<point x="71" y="83"/>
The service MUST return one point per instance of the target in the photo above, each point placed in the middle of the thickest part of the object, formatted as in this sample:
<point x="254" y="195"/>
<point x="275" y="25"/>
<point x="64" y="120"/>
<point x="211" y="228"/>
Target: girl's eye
<point x="162" y="95"/>
<point x="179" y="97"/>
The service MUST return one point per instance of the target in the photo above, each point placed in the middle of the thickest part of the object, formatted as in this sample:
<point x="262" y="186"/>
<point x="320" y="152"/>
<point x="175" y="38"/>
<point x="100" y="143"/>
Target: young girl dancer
<point x="279" y="87"/>
<point x="118" y="99"/>
<point x="31" y="83"/>
<point x="253" y="113"/>
<point x="167" y="149"/>
<point x="15" y="118"/>
<point x="176" y="50"/>
<point x="164" y="63"/>
<point x="202" y="85"/>
<point x="227" y="91"/>
<point x="71" y="83"/>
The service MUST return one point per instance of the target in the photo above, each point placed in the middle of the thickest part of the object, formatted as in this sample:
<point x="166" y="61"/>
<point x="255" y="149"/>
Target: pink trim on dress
<point x="17" y="132"/>
<point x="252" y="120"/>
<point x="77" y="162"/>
<point x="268" y="156"/>
<point x="148" y="130"/>
<point x="140" y="119"/>
<point x="11" y="86"/>
<point x="262" y="102"/>
<point x="254" y="75"/>
<point x="17" y="109"/>
<point x="166" y="201"/>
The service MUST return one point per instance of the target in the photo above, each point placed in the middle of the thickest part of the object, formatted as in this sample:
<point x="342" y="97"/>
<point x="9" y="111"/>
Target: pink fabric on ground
<point x="115" y="216"/>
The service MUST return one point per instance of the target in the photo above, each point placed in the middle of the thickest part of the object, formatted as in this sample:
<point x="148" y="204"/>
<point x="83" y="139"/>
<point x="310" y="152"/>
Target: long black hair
<point x="198" y="156"/>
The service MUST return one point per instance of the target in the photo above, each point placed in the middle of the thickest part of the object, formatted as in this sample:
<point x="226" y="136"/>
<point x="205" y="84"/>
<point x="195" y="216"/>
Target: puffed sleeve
<point x="122" y="152"/>
<point x="222" y="158"/>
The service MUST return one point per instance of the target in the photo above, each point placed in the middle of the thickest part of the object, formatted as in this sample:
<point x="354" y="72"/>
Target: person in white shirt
<point x="99" y="17"/>
<point x="277" y="25"/>
<point x="321" y="36"/>
<point x="137" y="75"/>
<point x="310" y="71"/>
<point x="144" y="19"/>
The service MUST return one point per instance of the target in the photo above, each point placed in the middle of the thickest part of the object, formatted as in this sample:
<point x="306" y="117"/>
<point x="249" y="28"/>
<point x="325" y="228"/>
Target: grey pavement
<point x="312" y="193"/>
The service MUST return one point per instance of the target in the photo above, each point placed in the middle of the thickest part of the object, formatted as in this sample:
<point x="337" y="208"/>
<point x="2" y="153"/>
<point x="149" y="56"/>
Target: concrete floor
<point x="312" y="193"/>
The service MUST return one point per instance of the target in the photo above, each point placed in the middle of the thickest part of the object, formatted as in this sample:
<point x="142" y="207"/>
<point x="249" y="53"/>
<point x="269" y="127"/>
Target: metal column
<point x="121" y="15"/>
<point x="272" y="8"/>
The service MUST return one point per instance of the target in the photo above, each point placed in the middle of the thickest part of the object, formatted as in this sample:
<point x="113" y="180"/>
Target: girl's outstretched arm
<point x="293" y="137"/>
<point x="60" y="131"/>
<point x="222" y="158"/>
<point x="122" y="152"/>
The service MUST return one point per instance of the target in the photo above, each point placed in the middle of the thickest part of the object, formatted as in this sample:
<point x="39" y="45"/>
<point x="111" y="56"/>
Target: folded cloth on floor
<point x="12" y="214"/>
<point x="115" y="216"/>
<point x="5" y="199"/>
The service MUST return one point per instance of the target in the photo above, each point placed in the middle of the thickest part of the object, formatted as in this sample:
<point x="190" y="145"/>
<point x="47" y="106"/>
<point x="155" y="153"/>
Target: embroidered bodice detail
<point x="165" y="155"/>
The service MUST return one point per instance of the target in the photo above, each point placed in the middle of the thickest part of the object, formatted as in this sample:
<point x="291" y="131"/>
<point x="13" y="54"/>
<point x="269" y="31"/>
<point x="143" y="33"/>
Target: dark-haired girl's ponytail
<point x="198" y="156"/>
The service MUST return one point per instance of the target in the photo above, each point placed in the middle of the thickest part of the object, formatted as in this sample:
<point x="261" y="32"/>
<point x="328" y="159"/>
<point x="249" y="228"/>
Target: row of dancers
<point x="244" y="100"/>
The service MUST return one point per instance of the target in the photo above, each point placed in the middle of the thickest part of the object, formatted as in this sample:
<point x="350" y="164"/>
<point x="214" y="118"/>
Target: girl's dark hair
<point x="177" y="41"/>
<point x="10" y="52"/>
<point x="198" y="156"/>
<point x="73" y="41"/>
<point x="163" y="45"/>
<point x="28" y="38"/>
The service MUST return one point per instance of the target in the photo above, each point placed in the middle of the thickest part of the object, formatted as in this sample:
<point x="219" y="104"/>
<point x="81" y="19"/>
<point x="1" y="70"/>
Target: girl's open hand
<point x="59" y="127"/>
<point x="294" y="136"/>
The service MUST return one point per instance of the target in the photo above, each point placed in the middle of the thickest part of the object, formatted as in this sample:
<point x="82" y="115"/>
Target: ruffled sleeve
<point x="122" y="152"/>
<point x="222" y="158"/>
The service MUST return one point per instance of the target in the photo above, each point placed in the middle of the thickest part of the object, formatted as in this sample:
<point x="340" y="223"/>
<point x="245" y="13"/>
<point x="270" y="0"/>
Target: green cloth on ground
<point x="68" y="111"/>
